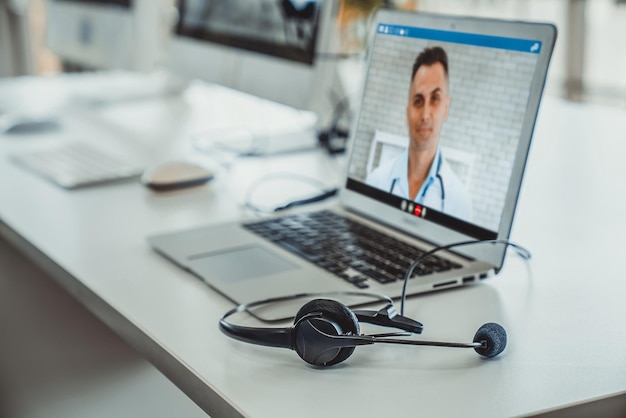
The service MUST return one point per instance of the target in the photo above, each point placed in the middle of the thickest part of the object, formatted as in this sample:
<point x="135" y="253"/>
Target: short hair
<point x="430" y="56"/>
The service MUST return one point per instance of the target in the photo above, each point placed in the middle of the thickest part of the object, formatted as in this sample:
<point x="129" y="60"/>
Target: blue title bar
<point x="515" y="44"/>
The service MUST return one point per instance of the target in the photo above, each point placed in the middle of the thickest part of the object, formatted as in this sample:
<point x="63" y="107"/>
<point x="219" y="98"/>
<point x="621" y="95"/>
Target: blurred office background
<point x="589" y="60"/>
<point x="86" y="370"/>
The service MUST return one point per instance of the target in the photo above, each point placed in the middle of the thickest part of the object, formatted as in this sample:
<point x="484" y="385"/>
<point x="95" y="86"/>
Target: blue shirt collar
<point x="400" y="174"/>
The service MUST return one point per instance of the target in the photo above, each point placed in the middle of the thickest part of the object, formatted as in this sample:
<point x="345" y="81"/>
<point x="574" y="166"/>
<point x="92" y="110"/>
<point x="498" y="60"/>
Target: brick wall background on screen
<point x="489" y="91"/>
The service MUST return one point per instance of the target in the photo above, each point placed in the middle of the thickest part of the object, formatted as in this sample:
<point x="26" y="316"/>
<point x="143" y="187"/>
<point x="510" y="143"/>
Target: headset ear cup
<point x="333" y="311"/>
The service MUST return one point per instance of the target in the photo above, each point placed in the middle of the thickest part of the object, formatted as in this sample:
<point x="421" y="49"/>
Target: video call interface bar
<point x="513" y="44"/>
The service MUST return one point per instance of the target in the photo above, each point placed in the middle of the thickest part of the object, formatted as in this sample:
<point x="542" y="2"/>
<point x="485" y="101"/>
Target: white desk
<point x="563" y="312"/>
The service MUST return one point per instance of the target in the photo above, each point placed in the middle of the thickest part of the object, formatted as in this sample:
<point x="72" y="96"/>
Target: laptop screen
<point x="440" y="124"/>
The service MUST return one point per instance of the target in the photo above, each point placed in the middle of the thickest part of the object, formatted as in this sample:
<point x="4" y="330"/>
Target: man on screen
<point x="421" y="174"/>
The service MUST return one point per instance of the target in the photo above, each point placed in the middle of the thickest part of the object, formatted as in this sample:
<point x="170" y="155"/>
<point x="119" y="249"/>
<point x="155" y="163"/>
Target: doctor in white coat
<point x="421" y="174"/>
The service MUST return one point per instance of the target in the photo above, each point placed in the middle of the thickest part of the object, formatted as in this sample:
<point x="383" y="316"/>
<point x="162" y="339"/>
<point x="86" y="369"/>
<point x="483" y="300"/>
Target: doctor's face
<point x="428" y="106"/>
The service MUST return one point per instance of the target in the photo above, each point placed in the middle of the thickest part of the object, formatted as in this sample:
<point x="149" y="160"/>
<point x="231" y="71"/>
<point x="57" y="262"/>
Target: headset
<point x="325" y="332"/>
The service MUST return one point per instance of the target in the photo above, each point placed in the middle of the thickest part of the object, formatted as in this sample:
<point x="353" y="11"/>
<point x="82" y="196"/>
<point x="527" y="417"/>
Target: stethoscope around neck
<point x="443" y="192"/>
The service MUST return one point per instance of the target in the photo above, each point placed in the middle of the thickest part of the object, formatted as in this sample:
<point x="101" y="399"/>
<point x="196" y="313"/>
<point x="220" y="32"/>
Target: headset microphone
<point x="489" y="341"/>
<point x="493" y="340"/>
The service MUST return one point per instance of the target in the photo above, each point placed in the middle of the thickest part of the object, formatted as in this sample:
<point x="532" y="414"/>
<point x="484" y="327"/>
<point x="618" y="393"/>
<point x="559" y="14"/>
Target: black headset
<point x="326" y="332"/>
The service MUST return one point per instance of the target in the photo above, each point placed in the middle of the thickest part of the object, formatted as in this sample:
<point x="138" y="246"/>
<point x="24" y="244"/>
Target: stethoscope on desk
<point x="443" y="192"/>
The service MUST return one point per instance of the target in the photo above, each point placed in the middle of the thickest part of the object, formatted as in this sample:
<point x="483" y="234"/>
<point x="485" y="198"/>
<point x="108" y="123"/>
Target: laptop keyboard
<point x="77" y="164"/>
<point x="348" y="249"/>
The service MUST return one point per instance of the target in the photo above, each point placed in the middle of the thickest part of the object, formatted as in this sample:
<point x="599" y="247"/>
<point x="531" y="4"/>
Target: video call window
<point x="489" y="80"/>
<point x="281" y="28"/>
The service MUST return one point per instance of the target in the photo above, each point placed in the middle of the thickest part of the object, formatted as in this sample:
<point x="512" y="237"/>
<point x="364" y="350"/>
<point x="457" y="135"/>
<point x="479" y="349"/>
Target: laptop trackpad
<point x="239" y="264"/>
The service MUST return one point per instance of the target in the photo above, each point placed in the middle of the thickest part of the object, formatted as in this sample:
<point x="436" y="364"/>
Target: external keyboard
<point x="78" y="164"/>
<point x="346" y="248"/>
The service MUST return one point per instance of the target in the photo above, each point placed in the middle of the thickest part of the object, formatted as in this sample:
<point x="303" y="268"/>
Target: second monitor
<point x="269" y="48"/>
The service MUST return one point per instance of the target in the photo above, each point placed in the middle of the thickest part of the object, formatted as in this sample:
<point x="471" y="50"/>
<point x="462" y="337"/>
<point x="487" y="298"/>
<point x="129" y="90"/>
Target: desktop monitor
<point x="106" y="34"/>
<point x="274" y="49"/>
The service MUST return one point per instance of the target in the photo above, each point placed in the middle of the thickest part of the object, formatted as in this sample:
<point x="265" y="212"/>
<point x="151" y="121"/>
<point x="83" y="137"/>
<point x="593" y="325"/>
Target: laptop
<point x="470" y="120"/>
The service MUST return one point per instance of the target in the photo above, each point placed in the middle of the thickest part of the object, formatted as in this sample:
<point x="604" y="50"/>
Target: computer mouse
<point x="175" y="175"/>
